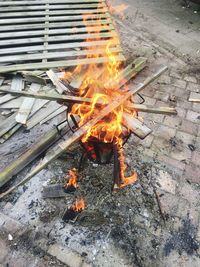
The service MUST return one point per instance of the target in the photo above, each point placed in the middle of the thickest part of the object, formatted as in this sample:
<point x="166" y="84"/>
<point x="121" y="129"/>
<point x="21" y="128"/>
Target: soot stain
<point x="183" y="241"/>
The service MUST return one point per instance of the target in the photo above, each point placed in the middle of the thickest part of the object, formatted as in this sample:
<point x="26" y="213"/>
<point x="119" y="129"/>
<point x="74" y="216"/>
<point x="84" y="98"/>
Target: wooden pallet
<point x="41" y="34"/>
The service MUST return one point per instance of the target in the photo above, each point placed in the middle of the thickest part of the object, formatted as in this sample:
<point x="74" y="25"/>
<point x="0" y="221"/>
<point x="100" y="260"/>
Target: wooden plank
<point x="52" y="96"/>
<point x="8" y="134"/>
<point x="41" y="114"/>
<point x="25" y="13"/>
<point x="54" y="7"/>
<point x="7" y="124"/>
<point x="57" y="64"/>
<point x="27" y="104"/>
<point x="60" y="87"/>
<point x="57" y="55"/>
<point x="194" y="97"/>
<point x="73" y="45"/>
<point x="56" y="31"/>
<point x="58" y="38"/>
<point x="56" y="25"/>
<point x="32" y="153"/>
<point x="151" y="109"/>
<point x="12" y="104"/>
<point x="36" y="2"/>
<point x="136" y="126"/>
<point x="55" y="18"/>
<point x="54" y="114"/>
<point x="16" y="85"/>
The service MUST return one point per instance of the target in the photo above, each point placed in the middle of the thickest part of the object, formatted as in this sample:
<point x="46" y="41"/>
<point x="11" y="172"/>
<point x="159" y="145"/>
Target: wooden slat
<point x="27" y="104"/>
<point x="53" y="12"/>
<point x="54" y="7"/>
<point x="136" y="126"/>
<point x="57" y="64"/>
<point x="66" y="25"/>
<point x="55" y="18"/>
<point x="38" y="2"/>
<point x="51" y="47"/>
<point x="58" y="38"/>
<point x="57" y="31"/>
<point x="50" y="26"/>
<point x="57" y="55"/>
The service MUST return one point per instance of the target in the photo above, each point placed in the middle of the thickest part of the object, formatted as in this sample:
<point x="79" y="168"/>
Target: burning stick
<point x="71" y="183"/>
<point x="72" y="213"/>
<point x="62" y="147"/>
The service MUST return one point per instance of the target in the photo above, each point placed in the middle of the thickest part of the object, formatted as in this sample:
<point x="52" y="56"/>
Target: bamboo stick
<point x="194" y="97"/>
<point x="63" y="146"/>
<point x="150" y="109"/>
<point x="32" y="153"/>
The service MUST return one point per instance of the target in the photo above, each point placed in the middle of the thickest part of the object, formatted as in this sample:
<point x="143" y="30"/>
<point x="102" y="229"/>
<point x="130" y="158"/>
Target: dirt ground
<point x="154" y="222"/>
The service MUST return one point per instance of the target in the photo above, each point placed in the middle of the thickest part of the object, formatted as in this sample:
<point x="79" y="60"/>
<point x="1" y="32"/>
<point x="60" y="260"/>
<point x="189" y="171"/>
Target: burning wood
<point x="71" y="183"/>
<point x="77" y="207"/>
<point x="103" y="106"/>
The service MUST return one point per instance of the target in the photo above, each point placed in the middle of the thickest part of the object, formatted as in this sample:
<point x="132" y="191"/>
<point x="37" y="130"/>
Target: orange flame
<point x="78" y="205"/>
<point x="99" y="84"/>
<point x="72" y="180"/>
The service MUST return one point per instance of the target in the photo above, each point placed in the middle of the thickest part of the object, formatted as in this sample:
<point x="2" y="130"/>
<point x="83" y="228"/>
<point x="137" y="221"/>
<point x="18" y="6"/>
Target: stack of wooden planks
<point x="43" y="34"/>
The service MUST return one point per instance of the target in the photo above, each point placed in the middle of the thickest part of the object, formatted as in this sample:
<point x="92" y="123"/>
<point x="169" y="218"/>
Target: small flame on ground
<point x="72" y="178"/>
<point x="78" y="205"/>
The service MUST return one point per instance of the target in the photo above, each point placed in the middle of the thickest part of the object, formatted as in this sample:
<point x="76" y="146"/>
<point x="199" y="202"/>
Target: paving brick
<point x="147" y="141"/>
<point x="170" y="89"/>
<point x="193" y="116"/>
<point x="67" y="256"/>
<point x="164" y="79"/>
<point x="194" y="87"/>
<point x="172" y="121"/>
<point x="176" y="73"/>
<point x="149" y="100"/>
<point x="171" y="162"/>
<point x="181" y="112"/>
<point x="165" y="132"/>
<point x="192" y="173"/>
<point x="196" y="158"/>
<point x="181" y="154"/>
<point x="182" y="93"/>
<point x="183" y="103"/>
<point x="189" y="127"/>
<point x="185" y="137"/>
<point x="190" y="193"/>
<point x="163" y="96"/>
<point x="179" y="83"/>
<point x="197" y="144"/>
<point x="3" y="251"/>
<point x="189" y="78"/>
<point x="10" y="225"/>
<point x="173" y="205"/>
<point x="196" y="107"/>
<point x="166" y="182"/>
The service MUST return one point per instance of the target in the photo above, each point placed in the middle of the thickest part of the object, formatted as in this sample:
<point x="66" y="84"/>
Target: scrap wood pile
<point x="25" y="93"/>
